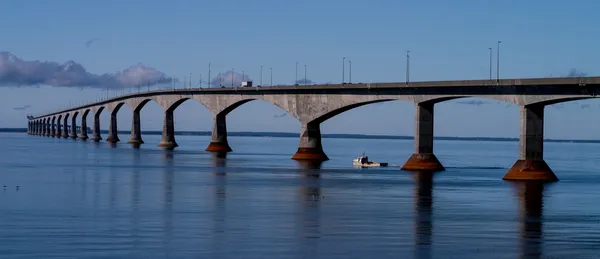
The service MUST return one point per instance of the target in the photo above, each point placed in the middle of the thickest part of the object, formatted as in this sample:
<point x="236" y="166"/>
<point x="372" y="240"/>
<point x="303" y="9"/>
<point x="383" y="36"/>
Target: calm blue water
<point x="85" y="200"/>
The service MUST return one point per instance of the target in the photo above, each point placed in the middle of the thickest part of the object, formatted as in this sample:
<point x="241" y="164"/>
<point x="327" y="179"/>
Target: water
<point x="85" y="200"/>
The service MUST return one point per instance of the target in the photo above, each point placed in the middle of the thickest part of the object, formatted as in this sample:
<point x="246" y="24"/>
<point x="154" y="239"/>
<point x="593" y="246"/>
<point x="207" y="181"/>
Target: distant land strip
<point x="341" y="136"/>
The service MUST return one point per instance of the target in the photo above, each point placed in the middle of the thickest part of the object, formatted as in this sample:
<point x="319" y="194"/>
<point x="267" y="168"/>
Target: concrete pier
<point x="136" y="131"/>
<point x="310" y="147"/>
<point x="58" y="127"/>
<point x="531" y="165"/>
<point x="53" y="127"/>
<point x="168" y="132"/>
<point x="83" y="131"/>
<point x="43" y="127"/>
<point x="73" y="133"/>
<point x="96" y="127"/>
<point x="65" y="132"/>
<point x="113" y="135"/>
<point x="423" y="158"/>
<point x="218" y="140"/>
<point x="47" y="127"/>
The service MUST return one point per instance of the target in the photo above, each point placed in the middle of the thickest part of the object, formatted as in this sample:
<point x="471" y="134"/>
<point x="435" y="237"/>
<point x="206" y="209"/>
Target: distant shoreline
<point x="340" y="136"/>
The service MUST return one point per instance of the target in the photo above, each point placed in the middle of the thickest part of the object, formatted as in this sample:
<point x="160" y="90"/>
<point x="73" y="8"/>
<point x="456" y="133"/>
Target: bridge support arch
<point x="53" y="127"/>
<point x="531" y="165"/>
<point x="96" y="137"/>
<point x="423" y="158"/>
<point x="168" y="132"/>
<point x="59" y="126"/>
<point x="218" y="139"/>
<point x="310" y="147"/>
<point x="83" y="132"/>
<point x="65" y="132"/>
<point x="73" y="133"/>
<point x="47" y="126"/>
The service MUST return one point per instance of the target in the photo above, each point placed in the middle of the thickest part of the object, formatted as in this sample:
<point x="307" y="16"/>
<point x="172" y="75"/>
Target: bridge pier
<point x="218" y="139"/>
<point x="53" y="129"/>
<point x="65" y="133"/>
<point x="47" y="128"/>
<point x="58" y="128"/>
<point x="531" y="165"/>
<point x="43" y="126"/>
<point x="96" y="137"/>
<point x="423" y="159"/>
<point x="310" y="147"/>
<point x="113" y="135"/>
<point x="136" y="131"/>
<point x="73" y="133"/>
<point x="83" y="131"/>
<point x="168" y="133"/>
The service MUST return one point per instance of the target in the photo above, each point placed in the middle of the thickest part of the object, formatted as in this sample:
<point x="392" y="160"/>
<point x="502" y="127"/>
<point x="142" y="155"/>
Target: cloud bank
<point x="22" y="108"/>
<point x="15" y="71"/>
<point x="229" y="79"/>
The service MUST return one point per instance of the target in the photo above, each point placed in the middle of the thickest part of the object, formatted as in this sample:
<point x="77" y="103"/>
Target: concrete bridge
<point x="312" y="105"/>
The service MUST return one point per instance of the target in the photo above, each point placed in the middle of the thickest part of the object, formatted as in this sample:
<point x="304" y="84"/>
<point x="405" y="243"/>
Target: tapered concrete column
<point x="168" y="133"/>
<point x="531" y="165"/>
<point x="423" y="158"/>
<point x="113" y="136"/>
<point x="48" y="128"/>
<point x="73" y="133"/>
<point x="96" y="128"/>
<point x="65" y="133"/>
<point x="218" y="140"/>
<point x="310" y="147"/>
<point x="58" y="127"/>
<point x="136" y="131"/>
<point x="53" y="128"/>
<point x="83" y="132"/>
<point x="43" y="125"/>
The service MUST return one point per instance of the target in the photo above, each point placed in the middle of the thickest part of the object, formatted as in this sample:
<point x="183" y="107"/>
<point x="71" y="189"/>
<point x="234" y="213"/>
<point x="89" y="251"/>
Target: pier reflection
<point x="219" y="162"/>
<point x="168" y="177"/>
<point x="308" y="223"/>
<point x="423" y="211"/>
<point x="531" y="196"/>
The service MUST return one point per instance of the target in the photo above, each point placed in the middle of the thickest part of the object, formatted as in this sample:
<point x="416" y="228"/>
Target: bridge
<point x="314" y="104"/>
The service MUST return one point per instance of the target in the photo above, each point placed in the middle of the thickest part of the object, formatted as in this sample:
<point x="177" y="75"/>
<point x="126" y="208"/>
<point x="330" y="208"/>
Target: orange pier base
<point x="530" y="170"/>
<point x="314" y="154"/>
<point x="423" y="163"/>
<point x="218" y="147"/>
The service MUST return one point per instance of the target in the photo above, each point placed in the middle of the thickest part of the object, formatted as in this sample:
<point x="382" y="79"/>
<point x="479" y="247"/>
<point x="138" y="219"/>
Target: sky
<point x="115" y="44"/>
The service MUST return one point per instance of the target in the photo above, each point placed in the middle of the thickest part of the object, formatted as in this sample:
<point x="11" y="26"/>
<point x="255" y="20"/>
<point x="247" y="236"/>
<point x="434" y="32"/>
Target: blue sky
<point x="447" y="39"/>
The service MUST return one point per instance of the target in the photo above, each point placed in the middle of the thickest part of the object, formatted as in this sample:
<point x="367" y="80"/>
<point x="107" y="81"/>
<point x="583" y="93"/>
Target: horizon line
<point x="327" y="135"/>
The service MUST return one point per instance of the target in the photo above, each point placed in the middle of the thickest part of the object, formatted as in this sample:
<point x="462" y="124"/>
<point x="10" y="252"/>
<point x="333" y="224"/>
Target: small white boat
<point x="363" y="161"/>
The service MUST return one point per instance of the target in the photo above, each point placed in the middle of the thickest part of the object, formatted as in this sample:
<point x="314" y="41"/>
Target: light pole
<point x="296" y="79"/>
<point x="343" y="68"/>
<point x="490" y="63"/>
<point x="271" y="76"/>
<point x="305" y="81"/>
<point x="261" y="75"/>
<point x="209" y="75"/>
<point x="407" y="66"/>
<point x="350" y="72"/>
<point x="498" y="63"/>
<point x="232" y="70"/>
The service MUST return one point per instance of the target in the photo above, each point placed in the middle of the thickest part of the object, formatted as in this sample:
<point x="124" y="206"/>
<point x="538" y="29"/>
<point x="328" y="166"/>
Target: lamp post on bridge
<point x="261" y="75"/>
<point x="498" y="63"/>
<point x="296" y="79"/>
<point x="407" y="66"/>
<point x="271" y="76"/>
<point x="490" y="63"/>
<point x="343" y="68"/>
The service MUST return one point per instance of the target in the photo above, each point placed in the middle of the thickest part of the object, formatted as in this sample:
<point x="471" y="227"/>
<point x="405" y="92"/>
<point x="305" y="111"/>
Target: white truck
<point x="247" y="84"/>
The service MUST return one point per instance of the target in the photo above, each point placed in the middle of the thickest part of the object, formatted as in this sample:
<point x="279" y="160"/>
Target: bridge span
<point x="314" y="104"/>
